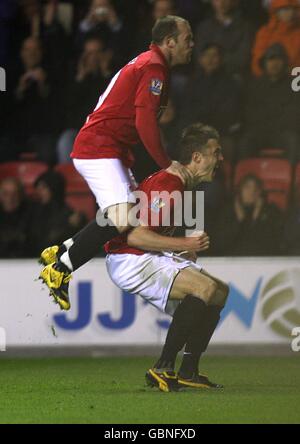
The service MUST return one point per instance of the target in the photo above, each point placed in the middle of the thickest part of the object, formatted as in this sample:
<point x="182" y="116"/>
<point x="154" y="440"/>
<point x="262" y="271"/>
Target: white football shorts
<point x="150" y="276"/>
<point x="109" y="180"/>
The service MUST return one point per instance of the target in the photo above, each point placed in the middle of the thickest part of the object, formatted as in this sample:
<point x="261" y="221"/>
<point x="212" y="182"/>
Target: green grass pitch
<point x="112" y="390"/>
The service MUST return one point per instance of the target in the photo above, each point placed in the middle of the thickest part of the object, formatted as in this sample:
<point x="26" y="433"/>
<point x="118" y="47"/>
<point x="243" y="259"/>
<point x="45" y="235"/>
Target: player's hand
<point x="198" y="242"/>
<point x="180" y="170"/>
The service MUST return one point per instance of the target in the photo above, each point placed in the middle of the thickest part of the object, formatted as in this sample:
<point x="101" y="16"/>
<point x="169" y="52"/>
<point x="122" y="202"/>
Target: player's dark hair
<point x="194" y="139"/>
<point x="166" y="27"/>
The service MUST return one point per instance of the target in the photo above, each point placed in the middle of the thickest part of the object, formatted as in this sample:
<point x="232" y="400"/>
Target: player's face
<point x="182" y="51"/>
<point x="209" y="161"/>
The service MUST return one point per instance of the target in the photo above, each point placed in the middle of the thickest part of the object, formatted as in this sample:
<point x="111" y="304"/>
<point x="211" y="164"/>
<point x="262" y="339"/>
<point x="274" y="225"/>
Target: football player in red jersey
<point x="127" y="112"/>
<point x="144" y="262"/>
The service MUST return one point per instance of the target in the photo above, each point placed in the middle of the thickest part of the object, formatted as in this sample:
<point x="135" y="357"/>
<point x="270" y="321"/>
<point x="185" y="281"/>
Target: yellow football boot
<point x="165" y="381"/>
<point x="58" y="284"/>
<point x="49" y="255"/>
<point x="198" y="382"/>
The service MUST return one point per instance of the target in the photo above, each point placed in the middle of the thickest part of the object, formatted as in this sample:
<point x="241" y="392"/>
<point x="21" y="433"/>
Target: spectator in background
<point x="15" y="220"/>
<point x="52" y="220"/>
<point x="272" y="109"/>
<point x="39" y="20"/>
<point x="193" y="10"/>
<point x="32" y="117"/>
<point x="161" y="8"/>
<point x="213" y="96"/>
<point x="284" y="28"/>
<point x="254" y="11"/>
<point x="92" y="76"/>
<point x="249" y="226"/>
<point x="102" y="20"/>
<point x="231" y="32"/>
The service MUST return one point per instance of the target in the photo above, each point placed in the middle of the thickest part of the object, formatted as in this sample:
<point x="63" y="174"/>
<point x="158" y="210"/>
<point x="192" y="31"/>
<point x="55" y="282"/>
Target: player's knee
<point x="221" y="295"/>
<point x="208" y="293"/>
<point x="118" y="214"/>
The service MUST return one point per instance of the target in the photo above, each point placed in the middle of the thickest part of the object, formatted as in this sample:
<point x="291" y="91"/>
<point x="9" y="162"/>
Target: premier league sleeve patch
<point x="156" y="87"/>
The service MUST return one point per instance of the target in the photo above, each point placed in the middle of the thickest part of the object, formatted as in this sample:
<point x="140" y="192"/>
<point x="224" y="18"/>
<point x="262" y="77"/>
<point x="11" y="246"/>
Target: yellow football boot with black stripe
<point x="198" y="382"/>
<point x="58" y="284"/>
<point x="49" y="255"/>
<point x="165" y="381"/>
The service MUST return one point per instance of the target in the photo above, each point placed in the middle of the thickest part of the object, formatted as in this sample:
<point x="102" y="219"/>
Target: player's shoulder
<point x="163" y="181"/>
<point x="150" y="60"/>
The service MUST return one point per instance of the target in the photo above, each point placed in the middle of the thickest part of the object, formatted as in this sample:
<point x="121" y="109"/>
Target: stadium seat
<point x="26" y="172"/>
<point x="276" y="175"/>
<point x="271" y="152"/>
<point x="28" y="157"/>
<point x="74" y="181"/>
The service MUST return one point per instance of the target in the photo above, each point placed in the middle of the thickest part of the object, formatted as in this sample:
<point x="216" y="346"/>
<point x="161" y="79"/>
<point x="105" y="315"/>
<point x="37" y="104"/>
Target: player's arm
<point x="144" y="238"/>
<point x="147" y="103"/>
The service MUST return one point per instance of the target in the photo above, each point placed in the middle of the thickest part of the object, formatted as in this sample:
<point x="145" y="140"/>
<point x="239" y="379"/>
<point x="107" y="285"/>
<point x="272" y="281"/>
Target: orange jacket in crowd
<point x="276" y="31"/>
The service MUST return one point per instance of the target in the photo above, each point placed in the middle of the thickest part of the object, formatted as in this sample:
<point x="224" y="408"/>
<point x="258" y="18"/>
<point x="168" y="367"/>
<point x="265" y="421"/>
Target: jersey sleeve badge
<point x="156" y="87"/>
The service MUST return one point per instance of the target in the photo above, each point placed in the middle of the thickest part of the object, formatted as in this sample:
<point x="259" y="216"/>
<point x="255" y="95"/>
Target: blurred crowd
<point x="60" y="55"/>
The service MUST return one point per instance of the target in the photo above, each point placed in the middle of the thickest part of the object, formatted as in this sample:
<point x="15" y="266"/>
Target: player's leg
<point x="199" y="339"/>
<point x="157" y="279"/>
<point x="112" y="185"/>
<point x="87" y="243"/>
<point x="196" y="291"/>
<point x="63" y="261"/>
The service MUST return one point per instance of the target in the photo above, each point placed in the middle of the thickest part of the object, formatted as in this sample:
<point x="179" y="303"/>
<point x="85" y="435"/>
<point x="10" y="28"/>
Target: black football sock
<point x="198" y="341"/>
<point x="68" y="243"/>
<point x="190" y="309"/>
<point x="61" y="250"/>
<point x="87" y="244"/>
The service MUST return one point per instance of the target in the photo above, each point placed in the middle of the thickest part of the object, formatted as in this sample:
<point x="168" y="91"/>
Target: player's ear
<point x="171" y="43"/>
<point x="197" y="156"/>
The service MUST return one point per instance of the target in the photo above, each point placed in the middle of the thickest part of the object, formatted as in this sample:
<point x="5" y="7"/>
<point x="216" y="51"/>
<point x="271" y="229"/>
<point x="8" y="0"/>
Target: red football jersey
<point x="112" y="129"/>
<point x="158" y="213"/>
